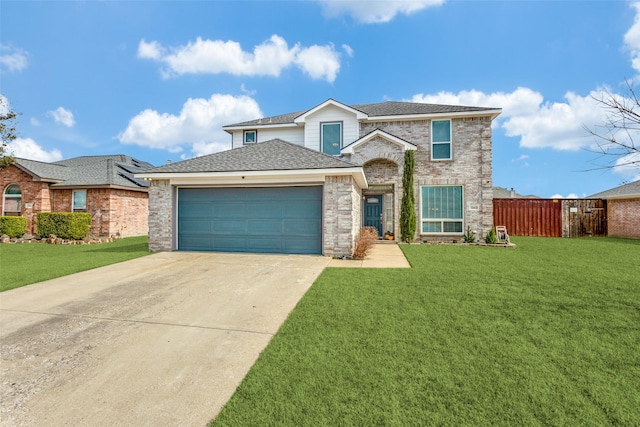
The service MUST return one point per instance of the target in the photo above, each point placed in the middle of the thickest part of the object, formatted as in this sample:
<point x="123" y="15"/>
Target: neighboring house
<point x="101" y="185"/>
<point x="504" y="193"/>
<point x="306" y="182"/>
<point x="623" y="209"/>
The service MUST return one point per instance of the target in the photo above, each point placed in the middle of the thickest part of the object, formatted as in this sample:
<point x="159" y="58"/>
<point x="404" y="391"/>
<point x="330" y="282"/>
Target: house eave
<point x="301" y="119"/>
<point x="378" y="133"/>
<point x="248" y="178"/>
<point x="231" y="129"/>
<point x="491" y="113"/>
<point x="110" y="186"/>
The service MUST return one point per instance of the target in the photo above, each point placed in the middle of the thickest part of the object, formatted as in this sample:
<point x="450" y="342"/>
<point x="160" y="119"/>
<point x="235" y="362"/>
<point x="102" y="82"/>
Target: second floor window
<point x="331" y="138"/>
<point x="441" y="140"/>
<point x="250" y="136"/>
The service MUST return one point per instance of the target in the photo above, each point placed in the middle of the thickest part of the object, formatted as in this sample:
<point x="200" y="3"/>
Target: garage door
<point x="272" y="220"/>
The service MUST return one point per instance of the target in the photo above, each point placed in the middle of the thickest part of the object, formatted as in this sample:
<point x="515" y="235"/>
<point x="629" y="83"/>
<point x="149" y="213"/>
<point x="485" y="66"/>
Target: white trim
<point x="257" y="177"/>
<point x="303" y="117"/>
<point x="378" y="132"/>
<point x="441" y="233"/>
<point x="258" y="126"/>
<point x="427" y="116"/>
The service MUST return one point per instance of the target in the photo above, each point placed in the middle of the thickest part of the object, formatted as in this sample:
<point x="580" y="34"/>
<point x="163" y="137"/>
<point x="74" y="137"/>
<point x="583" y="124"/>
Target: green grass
<point x="23" y="264"/>
<point x="544" y="334"/>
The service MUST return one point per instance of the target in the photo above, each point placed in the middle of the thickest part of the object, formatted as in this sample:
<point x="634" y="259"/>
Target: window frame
<point x="449" y="142"/>
<point x="248" y="132"/>
<point x="73" y="201"/>
<point x="442" y="220"/>
<point x="12" y="196"/>
<point x="340" y="141"/>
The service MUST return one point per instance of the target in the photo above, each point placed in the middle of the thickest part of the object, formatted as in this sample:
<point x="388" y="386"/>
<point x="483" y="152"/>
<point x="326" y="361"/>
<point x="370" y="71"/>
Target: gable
<point x="378" y="133"/>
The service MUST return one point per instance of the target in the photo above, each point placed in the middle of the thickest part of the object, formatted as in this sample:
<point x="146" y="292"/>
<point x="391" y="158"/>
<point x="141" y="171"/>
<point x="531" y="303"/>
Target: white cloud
<point x="538" y="124"/>
<point x="217" y="56"/>
<point x="319" y="62"/>
<point x="63" y="116"/>
<point x="13" y="59"/>
<point x="348" y="50"/>
<point x="198" y="126"/>
<point x="27" y="148"/>
<point x="568" y="196"/>
<point x="628" y="166"/>
<point x="34" y="121"/>
<point x="632" y="39"/>
<point x="376" y="11"/>
<point x="151" y="50"/>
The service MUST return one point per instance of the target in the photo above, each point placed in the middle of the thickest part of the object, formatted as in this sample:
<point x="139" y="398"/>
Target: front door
<point x="373" y="212"/>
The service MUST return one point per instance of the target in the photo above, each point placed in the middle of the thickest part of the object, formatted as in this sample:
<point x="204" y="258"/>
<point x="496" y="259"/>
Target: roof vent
<point x="168" y="162"/>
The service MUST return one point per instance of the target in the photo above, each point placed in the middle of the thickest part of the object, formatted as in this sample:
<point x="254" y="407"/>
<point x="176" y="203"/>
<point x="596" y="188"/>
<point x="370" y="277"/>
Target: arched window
<point x="12" y="201"/>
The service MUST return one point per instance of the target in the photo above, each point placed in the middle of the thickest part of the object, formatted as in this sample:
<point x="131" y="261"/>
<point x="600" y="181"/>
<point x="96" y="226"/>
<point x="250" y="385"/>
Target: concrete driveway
<point x="162" y="340"/>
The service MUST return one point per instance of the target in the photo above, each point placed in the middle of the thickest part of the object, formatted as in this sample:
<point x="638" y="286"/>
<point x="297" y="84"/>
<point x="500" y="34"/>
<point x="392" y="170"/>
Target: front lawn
<point x="544" y="334"/>
<point x="23" y="264"/>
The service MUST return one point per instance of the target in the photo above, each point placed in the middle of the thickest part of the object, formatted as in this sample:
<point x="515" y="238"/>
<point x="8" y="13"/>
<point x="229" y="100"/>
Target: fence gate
<point x="584" y="217"/>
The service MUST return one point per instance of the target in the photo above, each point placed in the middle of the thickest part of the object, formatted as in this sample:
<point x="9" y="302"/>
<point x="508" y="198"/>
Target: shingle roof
<point x="382" y="109"/>
<point x="272" y="155"/>
<point x="113" y="170"/>
<point x="624" y="191"/>
<point x="43" y="171"/>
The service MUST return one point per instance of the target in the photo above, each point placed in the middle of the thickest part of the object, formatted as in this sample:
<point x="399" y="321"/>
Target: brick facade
<point x="623" y="218"/>
<point x="342" y="216"/>
<point x="115" y="212"/>
<point x="470" y="166"/>
<point x="160" y="216"/>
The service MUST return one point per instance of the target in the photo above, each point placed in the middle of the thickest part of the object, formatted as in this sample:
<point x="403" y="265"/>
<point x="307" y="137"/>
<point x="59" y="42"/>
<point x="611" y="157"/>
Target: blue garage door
<point x="272" y="220"/>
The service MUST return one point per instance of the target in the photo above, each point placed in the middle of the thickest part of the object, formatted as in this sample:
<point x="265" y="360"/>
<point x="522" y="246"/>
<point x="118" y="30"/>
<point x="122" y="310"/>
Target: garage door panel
<point x="265" y="227"/>
<point x="274" y="220"/>
<point x="302" y="227"/>
<point x="229" y="226"/>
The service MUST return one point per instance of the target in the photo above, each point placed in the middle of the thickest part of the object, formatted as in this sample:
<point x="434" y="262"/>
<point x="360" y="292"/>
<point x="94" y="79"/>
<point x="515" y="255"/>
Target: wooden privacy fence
<point x="552" y="217"/>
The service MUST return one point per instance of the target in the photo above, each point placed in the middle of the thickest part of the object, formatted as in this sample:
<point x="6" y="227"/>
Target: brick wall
<point x="160" y="216"/>
<point x="471" y="165"/>
<point x="34" y="194"/>
<point x="342" y="215"/>
<point x="623" y="218"/>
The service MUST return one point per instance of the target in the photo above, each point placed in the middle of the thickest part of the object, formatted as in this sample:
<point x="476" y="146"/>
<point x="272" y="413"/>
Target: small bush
<point x="13" y="226"/>
<point x="366" y="238"/>
<point x="66" y="225"/>
<point x="491" y="238"/>
<point x="469" y="235"/>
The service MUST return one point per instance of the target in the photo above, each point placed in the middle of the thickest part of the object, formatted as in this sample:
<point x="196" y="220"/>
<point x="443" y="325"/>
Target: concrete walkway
<point x="382" y="255"/>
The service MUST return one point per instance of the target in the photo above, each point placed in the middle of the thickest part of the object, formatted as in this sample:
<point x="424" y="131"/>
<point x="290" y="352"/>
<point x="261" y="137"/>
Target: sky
<point x="157" y="80"/>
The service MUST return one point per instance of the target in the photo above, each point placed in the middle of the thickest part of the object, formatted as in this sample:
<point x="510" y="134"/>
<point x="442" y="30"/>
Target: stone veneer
<point x="342" y="215"/>
<point x="160" y="215"/>
<point x="470" y="166"/>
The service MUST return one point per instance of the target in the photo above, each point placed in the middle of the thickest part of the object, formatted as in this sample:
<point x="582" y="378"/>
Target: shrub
<point x="407" y="206"/>
<point x="13" y="226"/>
<point x="366" y="238"/>
<point x="66" y="225"/>
<point x="491" y="238"/>
<point x="469" y="235"/>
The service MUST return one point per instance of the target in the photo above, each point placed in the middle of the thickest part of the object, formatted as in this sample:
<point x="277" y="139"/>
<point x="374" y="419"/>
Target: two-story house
<point x="306" y="182"/>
